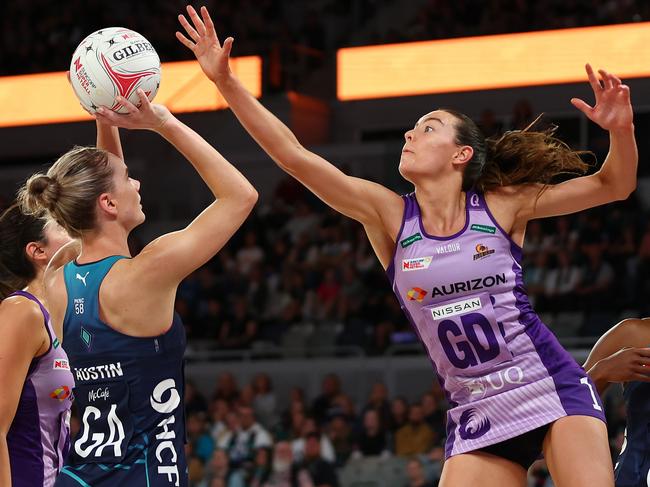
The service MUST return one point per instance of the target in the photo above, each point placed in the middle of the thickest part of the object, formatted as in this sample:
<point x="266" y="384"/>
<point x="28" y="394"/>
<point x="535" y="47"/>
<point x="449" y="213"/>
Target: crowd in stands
<point x="244" y="435"/>
<point x="241" y="436"/>
<point x="293" y="37"/>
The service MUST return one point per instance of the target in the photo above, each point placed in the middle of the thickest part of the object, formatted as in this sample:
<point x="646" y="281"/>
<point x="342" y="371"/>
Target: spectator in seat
<point x="281" y="468"/>
<point x="372" y="440"/>
<point x="399" y="409"/>
<point x="240" y="329"/>
<point x="326" y="450"/>
<point x="264" y="403"/>
<point x="416" y="437"/>
<point x="313" y="468"/>
<point x="226" y="388"/>
<point x="331" y="387"/>
<point x="416" y="475"/>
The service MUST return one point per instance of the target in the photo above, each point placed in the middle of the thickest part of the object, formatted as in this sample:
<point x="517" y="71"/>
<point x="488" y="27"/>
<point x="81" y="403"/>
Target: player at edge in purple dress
<point x="34" y="370"/>
<point x="473" y="198"/>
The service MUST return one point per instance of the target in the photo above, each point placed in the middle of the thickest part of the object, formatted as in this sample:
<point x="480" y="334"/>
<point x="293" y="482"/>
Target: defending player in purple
<point x="453" y="250"/>
<point x="34" y="369"/>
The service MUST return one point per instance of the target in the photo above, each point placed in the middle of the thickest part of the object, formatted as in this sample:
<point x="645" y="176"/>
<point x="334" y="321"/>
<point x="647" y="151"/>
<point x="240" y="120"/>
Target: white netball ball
<point x="114" y="62"/>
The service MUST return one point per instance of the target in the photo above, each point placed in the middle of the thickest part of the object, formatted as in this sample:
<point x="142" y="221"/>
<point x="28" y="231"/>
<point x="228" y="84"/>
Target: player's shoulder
<point x="21" y="315"/>
<point x="512" y="196"/>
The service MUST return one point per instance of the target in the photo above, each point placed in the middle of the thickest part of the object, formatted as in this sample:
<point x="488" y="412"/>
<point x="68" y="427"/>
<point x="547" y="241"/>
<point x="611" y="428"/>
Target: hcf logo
<point x="167" y="435"/>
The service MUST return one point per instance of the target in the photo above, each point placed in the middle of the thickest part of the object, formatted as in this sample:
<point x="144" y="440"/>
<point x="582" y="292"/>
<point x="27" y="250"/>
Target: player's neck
<point x="442" y="207"/>
<point x="103" y="244"/>
<point x="35" y="287"/>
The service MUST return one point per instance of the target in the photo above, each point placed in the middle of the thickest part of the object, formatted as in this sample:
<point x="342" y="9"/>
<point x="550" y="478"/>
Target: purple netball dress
<point x="503" y="371"/>
<point x="38" y="438"/>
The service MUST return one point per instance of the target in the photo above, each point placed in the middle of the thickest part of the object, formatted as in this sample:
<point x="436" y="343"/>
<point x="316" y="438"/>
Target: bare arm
<point x="186" y="250"/>
<point x="23" y="336"/>
<point x="616" y="179"/>
<point x="369" y="203"/>
<point x="108" y="138"/>
<point x="621" y="354"/>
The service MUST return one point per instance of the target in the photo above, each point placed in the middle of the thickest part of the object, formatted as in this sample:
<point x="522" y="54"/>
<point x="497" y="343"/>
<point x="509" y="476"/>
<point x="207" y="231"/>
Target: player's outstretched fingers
<point x="188" y="28"/>
<point x="606" y="79"/>
<point x="184" y="40"/>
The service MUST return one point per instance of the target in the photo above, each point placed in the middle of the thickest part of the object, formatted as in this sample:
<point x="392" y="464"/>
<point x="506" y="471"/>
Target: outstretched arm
<point x="616" y="179"/>
<point x="371" y="204"/>
<point x="186" y="250"/>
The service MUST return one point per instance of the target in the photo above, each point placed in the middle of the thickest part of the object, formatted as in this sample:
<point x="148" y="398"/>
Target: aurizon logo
<point x="470" y="285"/>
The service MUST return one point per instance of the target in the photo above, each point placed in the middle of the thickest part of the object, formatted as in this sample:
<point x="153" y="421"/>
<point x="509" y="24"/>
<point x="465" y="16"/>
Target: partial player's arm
<point x="371" y="204"/>
<point x="108" y="138"/>
<point x="23" y="336"/>
<point x="617" y="177"/>
<point x="621" y="354"/>
<point x="167" y="260"/>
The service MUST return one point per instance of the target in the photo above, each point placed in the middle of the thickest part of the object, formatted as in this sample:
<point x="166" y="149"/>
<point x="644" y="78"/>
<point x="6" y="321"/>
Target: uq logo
<point x="479" y="387"/>
<point x="165" y="400"/>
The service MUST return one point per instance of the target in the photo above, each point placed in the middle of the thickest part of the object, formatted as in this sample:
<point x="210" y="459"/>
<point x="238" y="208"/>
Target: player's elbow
<point x="617" y="190"/>
<point x="625" y="192"/>
<point x="249" y="198"/>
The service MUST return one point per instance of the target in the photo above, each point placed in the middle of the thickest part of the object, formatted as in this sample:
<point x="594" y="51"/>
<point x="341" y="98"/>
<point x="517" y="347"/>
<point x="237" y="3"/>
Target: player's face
<point x="126" y="192"/>
<point x="429" y="147"/>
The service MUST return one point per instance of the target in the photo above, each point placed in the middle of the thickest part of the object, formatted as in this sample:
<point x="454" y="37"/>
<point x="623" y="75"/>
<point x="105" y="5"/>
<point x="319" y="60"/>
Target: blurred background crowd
<point x="245" y="435"/>
<point x="302" y="279"/>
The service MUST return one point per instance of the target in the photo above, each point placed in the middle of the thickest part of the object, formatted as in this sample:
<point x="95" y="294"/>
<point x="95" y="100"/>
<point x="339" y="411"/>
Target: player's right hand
<point x="148" y="116"/>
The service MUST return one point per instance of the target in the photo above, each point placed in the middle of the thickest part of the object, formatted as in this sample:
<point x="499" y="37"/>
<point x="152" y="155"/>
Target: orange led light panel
<point x="47" y="98"/>
<point x="489" y="62"/>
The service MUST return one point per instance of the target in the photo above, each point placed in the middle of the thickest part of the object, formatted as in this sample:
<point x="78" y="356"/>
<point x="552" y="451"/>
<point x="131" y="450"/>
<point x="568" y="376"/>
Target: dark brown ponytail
<point x="516" y="157"/>
<point x="529" y="156"/>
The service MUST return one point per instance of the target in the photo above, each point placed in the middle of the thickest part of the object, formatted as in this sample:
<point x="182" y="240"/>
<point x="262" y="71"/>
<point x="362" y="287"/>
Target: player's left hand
<point x="626" y="365"/>
<point x="147" y="116"/>
<point x="613" y="110"/>
<point x="212" y="56"/>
